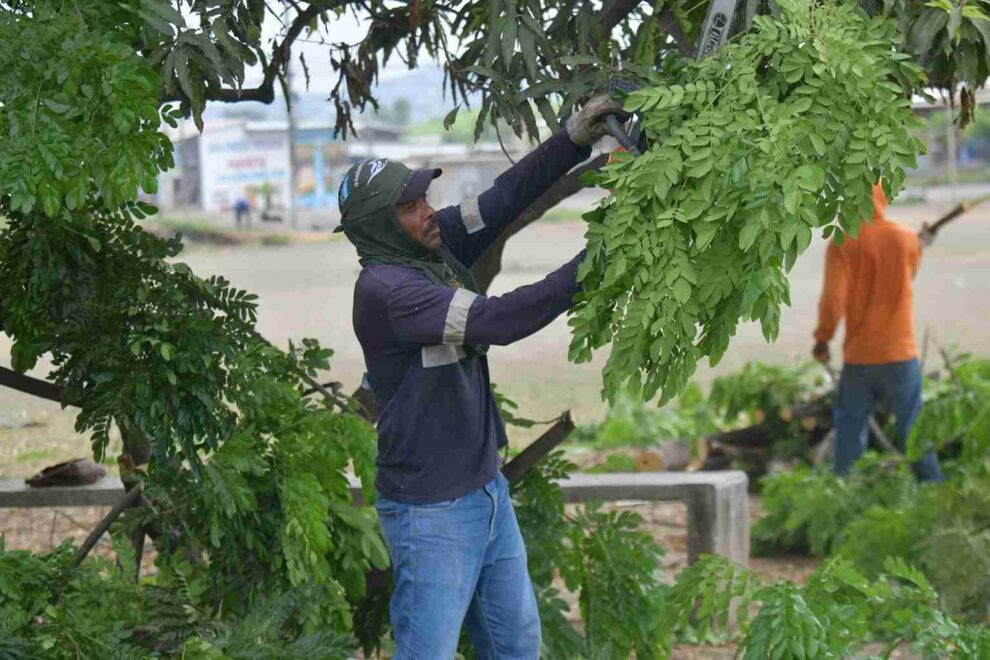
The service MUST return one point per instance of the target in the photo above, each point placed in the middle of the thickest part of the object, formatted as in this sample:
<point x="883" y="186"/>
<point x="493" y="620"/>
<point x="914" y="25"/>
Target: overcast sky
<point x="346" y="29"/>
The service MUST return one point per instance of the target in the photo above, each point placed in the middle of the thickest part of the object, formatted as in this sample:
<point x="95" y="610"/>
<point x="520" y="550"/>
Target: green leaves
<point x="603" y="557"/>
<point x="450" y="118"/>
<point x="810" y="177"/>
<point x="245" y="468"/>
<point x="957" y="410"/>
<point x="745" y="159"/>
<point x="834" y="616"/>
<point x="79" y="128"/>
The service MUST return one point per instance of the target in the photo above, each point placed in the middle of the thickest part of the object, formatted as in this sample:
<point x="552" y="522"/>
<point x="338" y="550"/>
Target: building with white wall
<point x="235" y="158"/>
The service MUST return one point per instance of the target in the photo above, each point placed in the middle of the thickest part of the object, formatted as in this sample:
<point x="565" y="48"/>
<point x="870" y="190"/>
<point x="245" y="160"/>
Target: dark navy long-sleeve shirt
<point x="439" y="429"/>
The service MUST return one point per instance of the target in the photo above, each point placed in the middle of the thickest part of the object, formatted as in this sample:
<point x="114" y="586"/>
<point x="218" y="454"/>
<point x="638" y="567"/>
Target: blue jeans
<point x="897" y="387"/>
<point x="457" y="561"/>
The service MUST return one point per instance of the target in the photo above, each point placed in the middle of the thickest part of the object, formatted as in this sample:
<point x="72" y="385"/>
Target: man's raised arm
<point x="468" y="229"/>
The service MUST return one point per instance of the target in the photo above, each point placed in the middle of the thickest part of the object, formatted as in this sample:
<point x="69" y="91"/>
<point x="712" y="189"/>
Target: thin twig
<point x="51" y="535"/>
<point x="947" y="359"/>
<point x="498" y="134"/>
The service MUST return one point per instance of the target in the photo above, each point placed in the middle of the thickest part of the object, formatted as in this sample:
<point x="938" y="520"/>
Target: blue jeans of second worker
<point x="897" y="387"/>
<point x="457" y="561"/>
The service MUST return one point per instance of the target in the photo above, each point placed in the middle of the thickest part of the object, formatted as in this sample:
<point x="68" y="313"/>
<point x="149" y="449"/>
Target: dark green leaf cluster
<point x="247" y="483"/>
<point x="951" y="40"/>
<point x="833" y="616"/>
<point x="879" y="511"/>
<point x="956" y="412"/>
<point x="49" y="609"/>
<point x="751" y="150"/>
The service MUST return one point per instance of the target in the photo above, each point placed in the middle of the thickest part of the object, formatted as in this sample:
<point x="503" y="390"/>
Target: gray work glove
<point x="587" y="125"/>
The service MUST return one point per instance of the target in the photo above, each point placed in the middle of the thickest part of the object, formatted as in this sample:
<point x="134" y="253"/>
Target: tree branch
<point x="673" y="28"/>
<point x="490" y="262"/>
<point x="132" y="498"/>
<point x="619" y="10"/>
<point x="539" y="448"/>
<point x="616" y="12"/>
<point x="29" y="385"/>
<point x="265" y="92"/>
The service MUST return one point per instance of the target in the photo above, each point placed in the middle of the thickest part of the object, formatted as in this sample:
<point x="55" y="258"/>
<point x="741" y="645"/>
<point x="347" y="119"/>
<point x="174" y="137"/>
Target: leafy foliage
<point x="260" y="550"/>
<point x="750" y="151"/>
<point x="530" y="59"/>
<point x="95" y="93"/>
<point x="525" y="53"/>
<point x="763" y="390"/>
<point x="247" y="484"/>
<point x="631" y="423"/>
<point x="832" y="617"/>
<point x="879" y="511"/>
<point x="809" y="509"/>
<point x="956" y="411"/>
<point x="52" y="610"/>
<point x="602" y="557"/>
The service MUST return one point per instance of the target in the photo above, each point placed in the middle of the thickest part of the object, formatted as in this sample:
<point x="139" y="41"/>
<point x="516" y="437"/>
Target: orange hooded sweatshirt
<point x="868" y="282"/>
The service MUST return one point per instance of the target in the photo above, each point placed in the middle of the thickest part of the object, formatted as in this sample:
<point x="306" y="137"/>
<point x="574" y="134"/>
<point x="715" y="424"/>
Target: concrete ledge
<point x="14" y="493"/>
<point x="717" y="502"/>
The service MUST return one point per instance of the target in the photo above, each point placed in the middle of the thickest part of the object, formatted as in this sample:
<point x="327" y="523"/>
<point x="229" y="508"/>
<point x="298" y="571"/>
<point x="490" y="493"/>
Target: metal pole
<point x="951" y="147"/>
<point x="290" y="112"/>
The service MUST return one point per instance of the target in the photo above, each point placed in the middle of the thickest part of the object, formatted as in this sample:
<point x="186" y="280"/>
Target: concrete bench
<point x="717" y="502"/>
<point x="16" y="494"/>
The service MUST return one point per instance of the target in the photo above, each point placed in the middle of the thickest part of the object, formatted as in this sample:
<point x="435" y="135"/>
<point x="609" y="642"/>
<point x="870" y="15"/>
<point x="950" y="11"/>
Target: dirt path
<point x="306" y="290"/>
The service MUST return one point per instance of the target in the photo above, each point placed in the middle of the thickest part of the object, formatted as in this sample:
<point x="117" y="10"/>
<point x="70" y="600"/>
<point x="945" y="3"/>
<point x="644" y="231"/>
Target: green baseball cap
<point x="371" y="185"/>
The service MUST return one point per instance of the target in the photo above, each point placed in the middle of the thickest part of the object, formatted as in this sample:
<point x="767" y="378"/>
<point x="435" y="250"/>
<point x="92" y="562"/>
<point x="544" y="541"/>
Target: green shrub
<point x="833" y="616"/>
<point x="632" y="423"/>
<point x="808" y="509"/>
<point x="603" y="558"/>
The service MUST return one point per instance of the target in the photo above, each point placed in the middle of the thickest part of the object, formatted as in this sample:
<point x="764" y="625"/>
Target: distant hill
<point x="425" y="92"/>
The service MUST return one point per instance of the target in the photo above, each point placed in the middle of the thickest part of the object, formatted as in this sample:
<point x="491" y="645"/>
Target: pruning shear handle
<point x="615" y="129"/>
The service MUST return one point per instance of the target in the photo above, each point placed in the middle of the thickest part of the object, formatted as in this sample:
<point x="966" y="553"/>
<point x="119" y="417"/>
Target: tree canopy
<point x="529" y="57"/>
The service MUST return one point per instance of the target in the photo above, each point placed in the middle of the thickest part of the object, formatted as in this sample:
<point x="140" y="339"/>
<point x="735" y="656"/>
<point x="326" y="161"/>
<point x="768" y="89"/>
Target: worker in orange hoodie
<point x="868" y="283"/>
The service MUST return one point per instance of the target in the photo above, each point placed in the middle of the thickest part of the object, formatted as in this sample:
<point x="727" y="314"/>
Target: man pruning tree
<point x="868" y="282"/>
<point x="444" y="507"/>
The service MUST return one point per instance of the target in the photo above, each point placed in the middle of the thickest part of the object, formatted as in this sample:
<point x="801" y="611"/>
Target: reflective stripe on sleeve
<point x="442" y="354"/>
<point x="457" y="316"/>
<point x="471" y="215"/>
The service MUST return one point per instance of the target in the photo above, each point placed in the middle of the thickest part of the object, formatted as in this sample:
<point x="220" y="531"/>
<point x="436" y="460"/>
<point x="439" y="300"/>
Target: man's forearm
<point x="502" y="320"/>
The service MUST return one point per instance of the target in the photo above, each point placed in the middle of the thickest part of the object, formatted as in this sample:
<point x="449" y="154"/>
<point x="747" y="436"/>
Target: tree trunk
<point x="539" y="448"/>
<point x="670" y="456"/>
